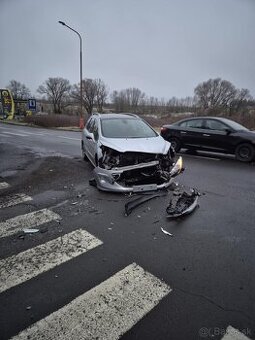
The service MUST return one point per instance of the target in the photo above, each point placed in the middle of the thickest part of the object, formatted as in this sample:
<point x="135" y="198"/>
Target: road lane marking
<point x="69" y="138"/>
<point x="4" y="185"/>
<point x="4" y="135"/>
<point x="15" y="134"/>
<point x="234" y="334"/>
<point x="105" y="312"/>
<point x="30" y="220"/>
<point x="19" y="268"/>
<point x="32" y="133"/>
<point x="9" y="201"/>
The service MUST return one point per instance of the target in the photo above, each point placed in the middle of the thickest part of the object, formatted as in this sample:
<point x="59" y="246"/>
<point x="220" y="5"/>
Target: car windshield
<point x="234" y="125"/>
<point x="126" y="128"/>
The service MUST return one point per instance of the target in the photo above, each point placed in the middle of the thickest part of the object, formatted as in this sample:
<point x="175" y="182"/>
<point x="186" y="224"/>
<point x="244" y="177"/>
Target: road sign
<point x="32" y="104"/>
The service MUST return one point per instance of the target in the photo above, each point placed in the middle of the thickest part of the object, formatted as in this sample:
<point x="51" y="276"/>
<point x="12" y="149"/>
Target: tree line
<point x="214" y="96"/>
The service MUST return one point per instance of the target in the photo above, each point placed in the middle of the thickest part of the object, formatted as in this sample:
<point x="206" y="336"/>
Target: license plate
<point x="146" y="187"/>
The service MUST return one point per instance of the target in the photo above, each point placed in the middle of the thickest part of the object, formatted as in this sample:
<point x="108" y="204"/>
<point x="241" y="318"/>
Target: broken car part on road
<point x="131" y="205"/>
<point x="184" y="204"/>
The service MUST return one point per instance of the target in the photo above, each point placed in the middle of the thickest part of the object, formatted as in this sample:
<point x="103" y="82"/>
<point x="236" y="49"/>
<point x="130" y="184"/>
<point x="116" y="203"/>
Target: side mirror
<point x="228" y="131"/>
<point x="90" y="136"/>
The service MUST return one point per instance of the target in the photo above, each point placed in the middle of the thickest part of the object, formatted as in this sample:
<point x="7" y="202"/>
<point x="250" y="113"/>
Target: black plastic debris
<point x="131" y="205"/>
<point x="183" y="204"/>
<point x="93" y="182"/>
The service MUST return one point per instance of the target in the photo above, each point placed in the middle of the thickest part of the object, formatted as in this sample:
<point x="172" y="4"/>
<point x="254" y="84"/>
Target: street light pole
<point x="64" y="24"/>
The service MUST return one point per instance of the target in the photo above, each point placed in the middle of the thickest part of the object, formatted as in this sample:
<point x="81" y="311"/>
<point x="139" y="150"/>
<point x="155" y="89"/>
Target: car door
<point x="217" y="135"/>
<point x="191" y="132"/>
<point x="88" y="139"/>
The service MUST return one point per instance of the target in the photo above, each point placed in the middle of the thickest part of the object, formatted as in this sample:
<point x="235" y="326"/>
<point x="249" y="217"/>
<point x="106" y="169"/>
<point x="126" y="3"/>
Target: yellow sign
<point x="6" y="104"/>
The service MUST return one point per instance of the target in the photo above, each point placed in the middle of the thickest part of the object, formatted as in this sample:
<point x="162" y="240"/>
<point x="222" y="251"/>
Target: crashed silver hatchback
<point x="128" y="155"/>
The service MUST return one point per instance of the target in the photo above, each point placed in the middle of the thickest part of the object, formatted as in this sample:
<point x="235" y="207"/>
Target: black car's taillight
<point x="163" y="130"/>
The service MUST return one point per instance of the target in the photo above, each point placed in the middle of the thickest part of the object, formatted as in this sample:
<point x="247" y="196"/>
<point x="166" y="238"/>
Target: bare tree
<point x="215" y="94"/>
<point x="128" y="99"/>
<point x="241" y="101"/>
<point x="89" y="94"/>
<point x="101" y="94"/>
<point x="18" y="90"/>
<point x="56" y="90"/>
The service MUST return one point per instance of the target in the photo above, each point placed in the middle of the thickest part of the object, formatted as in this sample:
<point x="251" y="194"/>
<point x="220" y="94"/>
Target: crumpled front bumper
<point x="107" y="180"/>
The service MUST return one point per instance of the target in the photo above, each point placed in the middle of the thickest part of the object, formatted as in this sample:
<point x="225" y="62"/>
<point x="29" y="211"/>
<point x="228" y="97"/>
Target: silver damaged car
<point x="128" y="155"/>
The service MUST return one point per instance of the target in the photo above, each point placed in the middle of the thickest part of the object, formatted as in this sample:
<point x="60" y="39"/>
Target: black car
<point x="211" y="134"/>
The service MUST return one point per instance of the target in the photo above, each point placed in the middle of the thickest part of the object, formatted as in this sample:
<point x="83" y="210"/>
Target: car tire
<point x="245" y="152"/>
<point x="175" y="143"/>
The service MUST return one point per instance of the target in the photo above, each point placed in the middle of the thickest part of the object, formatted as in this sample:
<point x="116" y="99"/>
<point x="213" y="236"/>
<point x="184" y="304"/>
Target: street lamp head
<point x="62" y="23"/>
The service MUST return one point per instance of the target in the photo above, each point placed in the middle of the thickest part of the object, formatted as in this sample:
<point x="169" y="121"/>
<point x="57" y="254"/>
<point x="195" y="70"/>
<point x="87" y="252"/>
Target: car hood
<point x="155" y="145"/>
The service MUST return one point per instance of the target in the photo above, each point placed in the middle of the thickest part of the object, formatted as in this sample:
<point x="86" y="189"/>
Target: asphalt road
<point x="92" y="270"/>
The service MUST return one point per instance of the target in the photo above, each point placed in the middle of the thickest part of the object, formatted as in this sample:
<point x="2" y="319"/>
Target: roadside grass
<point x="53" y="120"/>
<point x="67" y="121"/>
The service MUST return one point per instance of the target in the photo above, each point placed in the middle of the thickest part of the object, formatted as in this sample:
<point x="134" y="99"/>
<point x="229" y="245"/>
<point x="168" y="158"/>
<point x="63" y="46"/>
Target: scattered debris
<point x="131" y="205"/>
<point x="93" y="182"/>
<point x="30" y="231"/>
<point x="43" y="230"/>
<point x="183" y="205"/>
<point x="166" y="232"/>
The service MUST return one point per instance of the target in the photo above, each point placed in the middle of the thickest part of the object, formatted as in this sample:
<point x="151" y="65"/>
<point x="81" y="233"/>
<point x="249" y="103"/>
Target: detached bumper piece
<point x="131" y="205"/>
<point x="184" y="204"/>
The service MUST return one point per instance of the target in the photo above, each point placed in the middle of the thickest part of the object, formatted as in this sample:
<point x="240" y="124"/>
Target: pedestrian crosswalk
<point x="106" y="311"/>
<point x="3" y="185"/>
<point x="30" y="220"/>
<point x="10" y="201"/>
<point x="30" y="263"/>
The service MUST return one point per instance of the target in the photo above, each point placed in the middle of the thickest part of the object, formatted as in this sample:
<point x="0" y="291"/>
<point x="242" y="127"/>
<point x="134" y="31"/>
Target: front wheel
<point x="175" y="143"/>
<point x="245" y="152"/>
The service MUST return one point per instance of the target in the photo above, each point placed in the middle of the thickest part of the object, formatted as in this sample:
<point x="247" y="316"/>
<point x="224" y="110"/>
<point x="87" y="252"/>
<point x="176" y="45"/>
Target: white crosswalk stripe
<point x="9" y="201"/>
<point x="30" y="220"/>
<point x="4" y="185"/>
<point x="105" y="312"/>
<point x="15" y="134"/>
<point x="30" y="263"/>
<point x="234" y="334"/>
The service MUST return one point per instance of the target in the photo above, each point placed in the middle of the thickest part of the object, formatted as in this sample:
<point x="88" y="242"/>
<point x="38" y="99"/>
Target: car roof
<point x="223" y="120"/>
<point x="104" y="116"/>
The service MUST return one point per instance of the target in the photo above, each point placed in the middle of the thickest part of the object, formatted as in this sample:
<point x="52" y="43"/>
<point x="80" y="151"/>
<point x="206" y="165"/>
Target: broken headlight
<point x="177" y="168"/>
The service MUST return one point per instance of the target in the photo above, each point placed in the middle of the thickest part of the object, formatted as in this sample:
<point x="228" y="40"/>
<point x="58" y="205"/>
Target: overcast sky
<point x="163" y="47"/>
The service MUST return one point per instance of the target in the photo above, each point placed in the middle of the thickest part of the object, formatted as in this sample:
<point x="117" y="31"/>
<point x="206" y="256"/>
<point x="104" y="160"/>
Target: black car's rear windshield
<point x="126" y="128"/>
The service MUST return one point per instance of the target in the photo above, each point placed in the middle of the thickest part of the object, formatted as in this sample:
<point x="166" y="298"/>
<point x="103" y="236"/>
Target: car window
<point x="95" y="130"/>
<point x="215" y="125"/>
<point x="193" y="123"/>
<point x="126" y="128"/>
<point x="90" y="126"/>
